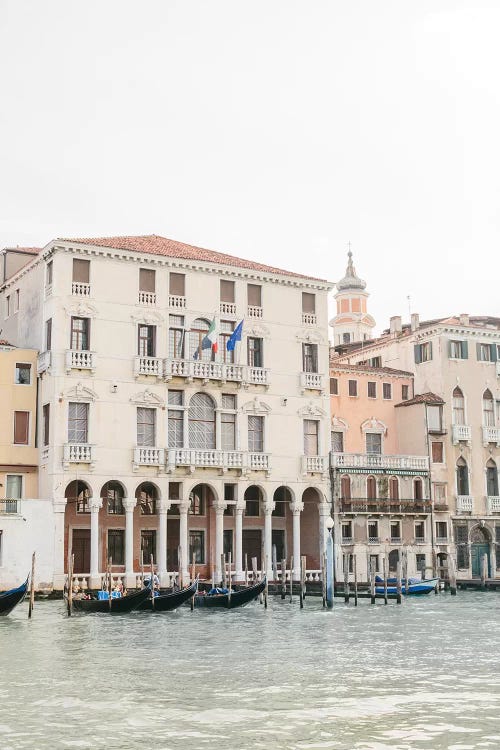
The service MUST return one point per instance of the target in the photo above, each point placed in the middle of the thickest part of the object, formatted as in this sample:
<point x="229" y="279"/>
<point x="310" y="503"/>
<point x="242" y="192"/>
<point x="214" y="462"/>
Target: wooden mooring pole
<point x="302" y="584"/>
<point x="275" y="564"/>
<point x="372" y="582"/>
<point x="246" y="570"/>
<point x="346" y="578"/>
<point x="70" y="583"/>
<point x="398" y="582"/>
<point x="452" y="575"/>
<point x="384" y="569"/>
<point x="323" y="578"/>
<point x="283" y="579"/>
<point x="484" y="571"/>
<point x="266" y="589"/>
<point x="223" y="570"/>
<point x="229" y="563"/>
<point x="291" y="578"/>
<point x="193" y="578"/>
<point x="32" y="587"/>
<point x="355" y="571"/>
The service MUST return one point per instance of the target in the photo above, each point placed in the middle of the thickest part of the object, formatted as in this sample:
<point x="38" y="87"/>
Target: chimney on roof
<point x="464" y="319"/>
<point x="415" y="321"/>
<point x="395" y="325"/>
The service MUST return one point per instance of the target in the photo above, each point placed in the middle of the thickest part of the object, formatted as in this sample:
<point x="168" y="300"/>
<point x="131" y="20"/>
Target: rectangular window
<point x="347" y="530"/>
<point x="78" y="417"/>
<point x="308" y="303"/>
<point x="421" y="561"/>
<point x="196" y="504"/>
<point x="46" y="424"/>
<point x="435" y="418"/>
<point x="375" y="362"/>
<point x="439" y="494"/>
<point x="81" y="271"/>
<point x="374" y="442"/>
<point x="353" y="388"/>
<point x="21" y="427"/>
<point x="311" y="429"/>
<point x="419" y="531"/>
<point x="7" y="306"/>
<point x="226" y="291"/>
<point x="226" y="329"/>
<point x="228" y="542"/>
<point x="146" y="426"/>
<point x="254" y="295"/>
<point x="395" y="531"/>
<point x="177" y="284"/>
<point x="14" y="487"/>
<point x="197" y="547"/>
<point x="309" y="358"/>
<point x="337" y="441"/>
<point x="423" y="352"/>
<point x="458" y="349"/>
<point x="228" y="431"/>
<point x="255" y="352"/>
<point x="441" y="530"/>
<point x="116" y="546"/>
<point x="176" y="336"/>
<point x="175" y="419"/>
<point x="146" y="346"/>
<point x="437" y="453"/>
<point x="50" y="270"/>
<point x="80" y="328"/>
<point x="334" y="387"/>
<point x="255" y="434"/>
<point x="16" y="301"/>
<point x="252" y="504"/>
<point x="23" y="373"/>
<point x="387" y="390"/>
<point x="48" y="335"/>
<point x="372" y="389"/>
<point x="148" y="546"/>
<point x="486" y="352"/>
<point x="373" y="531"/>
<point x="147" y="280"/>
<point x="405" y="392"/>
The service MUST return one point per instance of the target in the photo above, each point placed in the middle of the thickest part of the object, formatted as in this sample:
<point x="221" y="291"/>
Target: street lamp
<point x="329" y="563"/>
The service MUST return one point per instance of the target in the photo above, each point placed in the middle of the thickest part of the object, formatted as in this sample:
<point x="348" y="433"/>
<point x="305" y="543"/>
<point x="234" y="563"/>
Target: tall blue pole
<point x="329" y="570"/>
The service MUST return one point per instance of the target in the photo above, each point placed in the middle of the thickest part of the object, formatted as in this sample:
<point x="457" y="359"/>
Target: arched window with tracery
<point x="491" y="479"/>
<point x="462" y="477"/>
<point x="197" y="333"/>
<point x="201" y="416"/>
<point x="488" y="409"/>
<point x="112" y="498"/>
<point x="458" y="406"/>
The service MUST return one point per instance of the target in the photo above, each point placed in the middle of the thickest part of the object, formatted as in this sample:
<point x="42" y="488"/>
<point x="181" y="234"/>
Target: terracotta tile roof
<point x="27" y="250"/>
<point x="423" y="398"/>
<point x="155" y="245"/>
<point x="366" y="368"/>
<point x="5" y="343"/>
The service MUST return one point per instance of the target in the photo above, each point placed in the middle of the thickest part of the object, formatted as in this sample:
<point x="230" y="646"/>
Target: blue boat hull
<point x="414" y="589"/>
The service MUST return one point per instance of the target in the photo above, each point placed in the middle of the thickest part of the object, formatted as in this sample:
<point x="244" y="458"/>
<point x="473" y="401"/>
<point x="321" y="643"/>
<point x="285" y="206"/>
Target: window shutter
<point x="418" y="353"/>
<point x="254" y="295"/>
<point x="147" y="280"/>
<point x="493" y="355"/>
<point x="430" y="350"/>
<point x="177" y="284"/>
<point x="308" y="302"/>
<point x="81" y="271"/>
<point x="21" y="423"/>
<point x="465" y="350"/>
<point x="478" y="352"/>
<point x="450" y="347"/>
<point x="226" y="291"/>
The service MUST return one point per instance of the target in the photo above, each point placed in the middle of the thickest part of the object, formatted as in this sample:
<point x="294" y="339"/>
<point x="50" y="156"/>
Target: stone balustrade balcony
<point x="148" y="366"/>
<point x="492" y="504"/>
<point x="254" y="311"/>
<point x="312" y="381"/>
<point x="491" y="435"/>
<point x="217" y="371"/>
<point x="194" y="458"/>
<point x="177" y="301"/>
<point x="78" y="453"/>
<point x="10" y="506"/>
<point x="80" y="289"/>
<point x="309" y="319"/>
<point x="80" y="359"/>
<point x="378" y="461"/>
<point x="314" y="464"/>
<point x="147" y="298"/>
<point x="146" y="455"/>
<point x="228" y="308"/>
<point x="465" y="503"/>
<point x="461" y="433"/>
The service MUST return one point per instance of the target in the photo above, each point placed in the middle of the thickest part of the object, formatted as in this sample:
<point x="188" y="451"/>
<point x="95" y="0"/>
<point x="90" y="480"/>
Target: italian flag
<point x="210" y="340"/>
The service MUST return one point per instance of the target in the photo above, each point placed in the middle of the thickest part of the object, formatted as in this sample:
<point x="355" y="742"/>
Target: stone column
<point x="59" y="507"/>
<point x="95" y="577"/>
<point x="296" y="508"/>
<point x="183" y="540"/>
<point x="129" y="504"/>
<point x="238" y="541"/>
<point x="163" y="508"/>
<point x="219" y="538"/>
<point x="268" y="539"/>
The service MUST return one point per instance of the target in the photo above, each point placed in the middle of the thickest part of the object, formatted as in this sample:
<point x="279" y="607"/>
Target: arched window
<point x="345" y="488"/>
<point x="393" y="560"/>
<point x="79" y="493"/>
<point x="147" y="495"/>
<point x="112" y="498"/>
<point x="462" y="477"/>
<point x="491" y="479"/>
<point x="253" y="499"/>
<point x="488" y="409"/>
<point x="418" y="491"/>
<point x="371" y="488"/>
<point x="393" y="488"/>
<point x="458" y="406"/>
<point x="201" y="416"/>
<point x="197" y="333"/>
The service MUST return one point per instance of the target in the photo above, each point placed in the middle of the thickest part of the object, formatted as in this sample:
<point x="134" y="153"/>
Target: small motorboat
<point x="169" y="602"/>
<point x="415" y="586"/>
<point x="9" y="599"/>
<point x="230" y="600"/>
<point x="116" y="605"/>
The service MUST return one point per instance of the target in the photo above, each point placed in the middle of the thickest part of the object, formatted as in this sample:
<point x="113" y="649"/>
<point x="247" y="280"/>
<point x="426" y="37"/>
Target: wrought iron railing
<point x="384" y="505"/>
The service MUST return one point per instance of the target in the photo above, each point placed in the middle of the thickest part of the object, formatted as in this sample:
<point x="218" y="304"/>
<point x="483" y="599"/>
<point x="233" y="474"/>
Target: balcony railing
<point x="256" y="375"/>
<point x="309" y="319"/>
<point x="373" y="540"/>
<point x="347" y="540"/>
<point x="10" y="506"/>
<point x="314" y="464"/>
<point x="80" y="289"/>
<point x="461" y="432"/>
<point x="177" y="301"/>
<point x="190" y="369"/>
<point x="259" y="461"/>
<point x="384" y="505"/>
<point x="147" y="298"/>
<point x="492" y="504"/>
<point x="311" y="380"/>
<point x="228" y="308"/>
<point x="148" y="366"/>
<point x="79" y="359"/>
<point x="464" y="503"/>
<point x="209" y="458"/>
<point x="378" y="461"/>
<point x="149" y="456"/>
<point x="491" y="435"/>
<point x="78" y="453"/>
<point x="254" y="311"/>
<point x="395" y="540"/>
<point x="43" y="362"/>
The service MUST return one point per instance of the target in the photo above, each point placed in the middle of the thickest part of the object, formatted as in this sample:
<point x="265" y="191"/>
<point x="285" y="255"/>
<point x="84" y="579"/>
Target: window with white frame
<point x="353" y="388"/>
<point x="435" y="418"/>
<point x="458" y="407"/>
<point x="201" y="416"/>
<point x="14" y="486"/>
<point x="488" y="409"/>
<point x="441" y="530"/>
<point x="255" y="433"/>
<point x="374" y="442"/>
<point x="334" y="387"/>
<point x="226" y="328"/>
<point x="228" y="422"/>
<point x="439" y="491"/>
<point x="337" y="441"/>
<point x="458" y="349"/>
<point x="373" y="531"/>
<point x="146" y="426"/>
<point x="78" y="422"/>
<point x="310" y="357"/>
<point x="311" y="433"/>
<point x="395" y="531"/>
<point x="23" y="373"/>
<point x="486" y="352"/>
<point x="419" y="531"/>
<point x="387" y="390"/>
<point x="175" y="416"/>
<point x="372" y="389"/>
<point x="176" y="335"/>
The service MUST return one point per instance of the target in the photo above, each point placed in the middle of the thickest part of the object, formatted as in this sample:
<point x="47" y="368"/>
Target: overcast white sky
<point x="277" y="130"/>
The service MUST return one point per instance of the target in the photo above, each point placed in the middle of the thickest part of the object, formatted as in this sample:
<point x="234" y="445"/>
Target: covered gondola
<point x="9" y="599"/>
<point x="230" y="600"/>
<point x="169" y="602"/>
<point x="114" y="606"/>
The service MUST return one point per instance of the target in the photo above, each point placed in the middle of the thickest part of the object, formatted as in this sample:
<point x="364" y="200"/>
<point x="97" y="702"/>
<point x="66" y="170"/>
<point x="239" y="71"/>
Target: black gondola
<point x="9" y="599"/>
<point x="168" y="602"/>
<point x="116" y="606"/>
<point x="237" y="598"/>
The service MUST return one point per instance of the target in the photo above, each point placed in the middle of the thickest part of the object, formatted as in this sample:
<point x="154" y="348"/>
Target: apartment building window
<point x="255" y="352"/>
<point x="375" y="361"/>
<point x="21" y="427"/>
<point x="458" y="350"/>
<point x="148" y="546"/>
<point x="226" y="329"/>
<point x="78" y="422"/>
<point x="228" y="422"/>
<point x="395" y="531"/>
<point x="23" y="373"/>
<point x="421" y="562"/>
<point x="441" y="530"/>
<point x="439" y="494"/>
<point x="112" y="496"/>
<point x="488" y="409"/>
<point x="197" y="547"/>
<point x="146" y="426"/>
<point x="458" y="406"/>
<point x="334" y="387"/>
<point x="175" y="419"/>
<point x="337" y="441"/>
<point x="419" y="531"/>
<point x="201" y="416"/>
<point x="7" y="306"/>
<point x="227" y="540"/>
<point x="462" y="476"/>
<point x="491" y="479"/>
<point x="486" y="352"/>
<point x="373" y="532"/>
<point x="346" y="338"/>
<point x="387" y="390"/>
<point x="50" y="272"/>
<point x="308" y="303"/>
<point x="254" y="295"/>
<point x="14" y="486"/>
<point x="372" y="389"/>
<point x="176" y="336"/>
<point x="393" y="488"/>
<point x="177" y="284"/>
<point x="347" y="531"/>
<point x="345" y="487"/>
<point x="461" y="540"/>
<point x="197" y="501"/>
<point x="48" y="335"/>
<point x="81" y="271"/>
<point x="309" y="358"/>
<point x="371" y="488"/>
<point x="435" y="418"/>
<point x="353" y="388"/>
<point x="373" y="442"/>
<point x="311" y="433"/>
<point x="46" y="424"/>
<point x="227" y="289"/>
<point x="255" y="434"/>
<point x="418" y="489"/>
<point x="146" y="346"/>
<point x="147" y="280"/>
<point x="437" y="452"/>
<point x="252" y="501"/>
<point x="423" y="352"/>
<point x="199" y="330"/>
<point x="405" y="392"/>
<point x="80" y="329"/>
<point x="16" y="300"/>
<point x="116" y="546"/>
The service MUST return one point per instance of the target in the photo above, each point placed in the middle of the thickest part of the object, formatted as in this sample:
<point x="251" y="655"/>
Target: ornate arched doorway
<point x="480" y="546"/>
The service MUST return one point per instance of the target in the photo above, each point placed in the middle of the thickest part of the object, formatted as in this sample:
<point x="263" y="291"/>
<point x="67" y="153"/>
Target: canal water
<point x="422" y="675"/>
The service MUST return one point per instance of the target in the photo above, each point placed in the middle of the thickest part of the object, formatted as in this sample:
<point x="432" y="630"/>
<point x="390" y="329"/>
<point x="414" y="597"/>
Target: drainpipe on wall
<point x="429" y="487"/>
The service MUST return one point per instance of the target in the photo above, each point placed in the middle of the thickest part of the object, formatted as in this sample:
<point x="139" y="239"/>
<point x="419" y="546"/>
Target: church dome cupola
<point x="351" y="280"/>
<point x="352" y="322"/>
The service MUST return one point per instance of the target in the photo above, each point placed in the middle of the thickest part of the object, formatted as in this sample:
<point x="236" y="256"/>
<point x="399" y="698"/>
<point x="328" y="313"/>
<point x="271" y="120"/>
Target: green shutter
<point x="418" y="353"/>
<point x="478" y="351"/>
<point x="430" y="350"/>
<point x="449" y="348"/>
<point x="493" y="355"/>
<point x="465" y="350"/>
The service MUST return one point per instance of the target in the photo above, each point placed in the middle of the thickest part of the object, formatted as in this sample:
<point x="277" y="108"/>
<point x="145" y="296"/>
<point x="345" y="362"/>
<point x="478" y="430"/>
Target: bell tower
<point x="352" y="323"/>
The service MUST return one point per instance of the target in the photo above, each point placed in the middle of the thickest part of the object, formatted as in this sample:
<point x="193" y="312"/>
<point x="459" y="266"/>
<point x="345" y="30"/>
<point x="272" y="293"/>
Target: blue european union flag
<point x="234" y="337"/>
